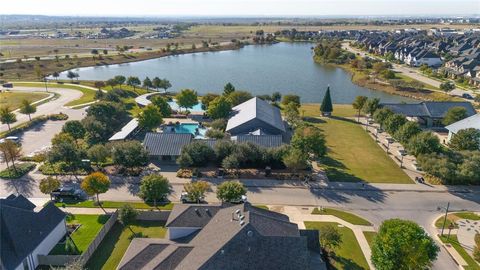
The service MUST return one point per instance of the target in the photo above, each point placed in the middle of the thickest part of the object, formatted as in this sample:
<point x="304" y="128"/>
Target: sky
<point x="240" y="7"/>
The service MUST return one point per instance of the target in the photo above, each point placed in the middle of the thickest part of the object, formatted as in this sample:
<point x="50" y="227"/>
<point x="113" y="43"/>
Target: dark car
<point x="69" y="193"/>
<point x="186" y="199"/>
<point x="467" y="96"/>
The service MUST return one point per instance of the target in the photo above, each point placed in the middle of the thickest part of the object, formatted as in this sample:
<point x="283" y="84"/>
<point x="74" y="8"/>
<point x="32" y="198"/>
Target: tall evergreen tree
<point x="327" y="108"/>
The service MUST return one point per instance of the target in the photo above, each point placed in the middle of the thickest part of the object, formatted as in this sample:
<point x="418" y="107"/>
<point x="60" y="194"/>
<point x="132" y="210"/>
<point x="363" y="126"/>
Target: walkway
<point x="300" y="215"/>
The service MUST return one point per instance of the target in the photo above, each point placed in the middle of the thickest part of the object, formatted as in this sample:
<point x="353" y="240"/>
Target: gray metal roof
<point x="22" y="229"/>
<point x="261" y="140"/>
<point x="434" y="109"/>
<point x="469" y="122"/>
<point x="126" y="130"/>
<point x="256" y="108"/>
<point x="166" y="144"/>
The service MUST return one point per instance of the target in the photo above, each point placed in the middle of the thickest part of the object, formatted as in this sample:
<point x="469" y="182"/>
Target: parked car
<point x="69" y="193"/>
<point x="11" y="138"/>
<point x="380" y="130"/>
<point x="402" y="152"/>
<point x="242" y="199"/>
<point x="467" y="96"/>
<point x="184" y="198"/>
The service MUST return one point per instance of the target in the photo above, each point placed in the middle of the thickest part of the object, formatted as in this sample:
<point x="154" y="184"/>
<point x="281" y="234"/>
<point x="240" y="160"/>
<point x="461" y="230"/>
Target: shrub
<point x="219" y="124"/>
<point x="215" y="134"/>
<point x="21" y="170"/>
<point x="198" y="152"/>
<point x="184" y="173"/>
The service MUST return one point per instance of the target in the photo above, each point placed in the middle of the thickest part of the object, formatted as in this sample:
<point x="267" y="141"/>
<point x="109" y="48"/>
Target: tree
<point x="64" y="149"/>
<point x="454" y="114"/>
<point x="214" y="133"/>
<point x="238" y="97"/>
<point x="95" y="184"/>
<point x="292" y="115"/>
<point x="358" y="104"/>
<point x="120" y="80"/>
<point x="55" y="75"/>
<point x="394" y="122"/>
<point x="154" y="187"/>
<point x="228" y="89"/>
<point x="150" y="117"/>
<point x="129" y="154"/>
<point x="7" y="116"/>
<point x="28" y="108"/>
<point x="133" y="82"/>
<point x="424" y="143"/>
<point x="330" y="238"/>
<point x="156" y="82"/>
<point x="99" y="85"/>
<point x="111" y="83"/>
<point x="230" y="191"/>
<point x="103" y="119"/>
<point x="71" y="75"/>
<point x="381" y="115"/>
<point x="219" y="108"/>
<point x="326" y="108"/>
<point x="276" y="96"/>
<point x="295" y="160"/>
<point x="74" y="128"/>
<point x="48" y="185"/>
<point x="291" y="99"/>
<point x="164" y="84"/>
<point x="98" y="153"/>
<point x="206" y="99"/>
<point x="447" y="86"/>
<point x="187" y="98"/>
<point x="196" y="190"/>
<point x="147" y="83"/>
<point x="407" y="131"/>
<point x="198" y="153"/>
<point x="466" y="139"/>
<point x="127" y="215"/>
<point x="310" y="140"/>
<point x="371" y="106"/>
<point x="402" y="245"/>
<point x="11" y="152"/>
<point x="162" y="105"/>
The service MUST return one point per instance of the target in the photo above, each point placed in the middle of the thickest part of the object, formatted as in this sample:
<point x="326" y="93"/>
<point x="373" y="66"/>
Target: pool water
<point x="189" y="128"/>
<point x="195" y="109"/>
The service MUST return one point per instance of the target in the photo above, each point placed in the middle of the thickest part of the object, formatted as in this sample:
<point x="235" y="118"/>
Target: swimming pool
<point x="195" y="109"/>
<point x="192" y="128"/>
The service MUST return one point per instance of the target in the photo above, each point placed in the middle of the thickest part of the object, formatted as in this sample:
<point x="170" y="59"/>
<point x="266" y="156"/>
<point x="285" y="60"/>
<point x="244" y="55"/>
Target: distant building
<point x="233" y="237"/>
<point x="429" y="113"/>
<point x="469" y="122"/>
<point x="25" y="234"/>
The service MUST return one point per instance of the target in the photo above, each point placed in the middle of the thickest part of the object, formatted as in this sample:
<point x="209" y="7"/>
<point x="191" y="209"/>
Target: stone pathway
<point x="299" y="215"/>
<point x="467" y="229"/>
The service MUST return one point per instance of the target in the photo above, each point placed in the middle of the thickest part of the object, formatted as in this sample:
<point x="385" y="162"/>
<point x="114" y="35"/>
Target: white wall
<point x="177" y="232"/>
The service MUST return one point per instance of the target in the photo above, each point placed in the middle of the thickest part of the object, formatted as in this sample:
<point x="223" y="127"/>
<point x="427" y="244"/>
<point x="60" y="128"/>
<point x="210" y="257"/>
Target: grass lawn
<point x="472" y="265"/>
<point x="261" y="206"/>
<point x="88" y="94"/>
<point x="348" y="255"/>
<point x="111" y="250"/>
<point x="84" y="235"/>
<point x="353" y="155"/>
<point x="14" y="99"/>
<point x="369" y="236"/>
<point x="110" y="204"/>
<point x="340" y="110"/>
<point x="453" y="217"/>
<point x="348" y="217"/>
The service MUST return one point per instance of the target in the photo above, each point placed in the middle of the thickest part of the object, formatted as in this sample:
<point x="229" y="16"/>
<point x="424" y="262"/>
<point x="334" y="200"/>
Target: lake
<point x="259" y="69"/>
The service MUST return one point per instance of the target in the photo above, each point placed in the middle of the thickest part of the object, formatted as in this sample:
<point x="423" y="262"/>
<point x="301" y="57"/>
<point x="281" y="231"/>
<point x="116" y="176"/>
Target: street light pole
<point x="445" y="219"/>
<point x="45" y="81"/>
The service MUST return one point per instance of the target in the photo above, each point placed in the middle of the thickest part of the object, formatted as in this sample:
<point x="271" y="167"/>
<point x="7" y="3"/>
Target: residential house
<point x="166" y="146"/>
<point x="469" y="122"/>
<point x="25" y="234"/>
<point x="226" y="236"/>
<point x="428" y="113"/>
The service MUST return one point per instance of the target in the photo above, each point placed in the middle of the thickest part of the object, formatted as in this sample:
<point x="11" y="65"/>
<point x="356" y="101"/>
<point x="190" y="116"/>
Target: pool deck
<point x="180" y="120"/>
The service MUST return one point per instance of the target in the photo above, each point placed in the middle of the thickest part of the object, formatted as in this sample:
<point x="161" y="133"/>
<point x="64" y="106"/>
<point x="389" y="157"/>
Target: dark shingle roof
<point x="191" y="215"/>
<point x="166" y="144"/>
<point x="262" y="140"/>
<point x="22" y="229"/>
<point x="432" y="109"/>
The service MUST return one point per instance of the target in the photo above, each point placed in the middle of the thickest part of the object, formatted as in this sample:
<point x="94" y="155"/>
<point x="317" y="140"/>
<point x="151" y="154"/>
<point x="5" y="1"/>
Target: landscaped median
<point x="453" y="217"/>
<point x="18" y="171"/>
<point x="453" y="241"/>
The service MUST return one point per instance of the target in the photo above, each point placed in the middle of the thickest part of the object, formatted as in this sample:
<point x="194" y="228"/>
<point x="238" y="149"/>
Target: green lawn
<point x="472" y="265"/>
<point x="14" y="99"/>
<point x="340" y="110"/>
<point x="453" y="217"/>
<point x="111" y="204"/>
<point x="353" y="155"/>
<point x="348" y="217"/>
<point x="348" y="256"/>
<point x="113" y="247"/>
<point x="21" y="170"/>
<point x="90" y="225"/>
<point x="369" y="236"/>
<point x="88" y="94"/>
<point x="261" y="206"/>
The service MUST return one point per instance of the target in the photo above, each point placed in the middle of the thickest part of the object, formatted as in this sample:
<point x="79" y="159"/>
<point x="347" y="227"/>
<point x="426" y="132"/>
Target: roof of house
<point x="433" y="109"/>
<point x="22" y="229"/>
<point x="256" y="108"/>
<point x="261" y="140"/>
<point x="253" y="239"/>
<point x="469" y="122"/>
<point x="166" y="144"/>
<point x="125" y="131"/>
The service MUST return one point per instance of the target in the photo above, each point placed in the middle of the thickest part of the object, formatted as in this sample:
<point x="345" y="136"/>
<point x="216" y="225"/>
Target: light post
<point x="45" y="81"/>
<point x="445" y="218"/>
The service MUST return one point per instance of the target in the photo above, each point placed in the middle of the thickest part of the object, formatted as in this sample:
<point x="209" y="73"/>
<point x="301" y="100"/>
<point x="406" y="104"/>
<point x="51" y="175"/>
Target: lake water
<point x="259" y="69"/>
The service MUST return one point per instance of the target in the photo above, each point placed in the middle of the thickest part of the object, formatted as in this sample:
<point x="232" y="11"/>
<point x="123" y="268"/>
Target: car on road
<point x="184" y="198"/>
<point x="467" y="96"/>
<point x="69" y="193"/>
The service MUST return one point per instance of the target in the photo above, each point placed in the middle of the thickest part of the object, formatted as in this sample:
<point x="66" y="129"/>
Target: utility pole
<point x="445" y="219"/>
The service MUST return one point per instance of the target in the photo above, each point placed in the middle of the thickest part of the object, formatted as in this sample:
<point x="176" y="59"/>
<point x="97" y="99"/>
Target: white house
<point x="26" y="234"/>
<point x="469" y="122"/>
